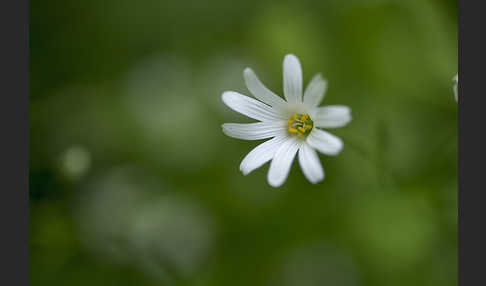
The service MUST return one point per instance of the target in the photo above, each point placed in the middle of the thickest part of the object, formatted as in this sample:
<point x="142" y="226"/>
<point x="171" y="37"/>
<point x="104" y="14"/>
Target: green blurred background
<point x="132" y="181"/>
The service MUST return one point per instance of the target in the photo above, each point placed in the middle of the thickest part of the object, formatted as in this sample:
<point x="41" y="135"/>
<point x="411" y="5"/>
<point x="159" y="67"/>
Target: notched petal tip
<point x="249" y="76"/>
<point x="275" y="184"/>
<point x="224" y="128"/>
<point x="292" y="60"/>
<point x="320" y="76"/>
<point x="321" y="176"/>
<point x="290" y="56"/>
<point x="227" y="94"/>
<point x="248" y="71"/>
<point x="225" y="97"/>
<point x="339" y="148"/>
<point x="244" y="171"/>
<point x="349" y="116"/>
<point x="315" y="181"/>
<point x="321" y="79"/>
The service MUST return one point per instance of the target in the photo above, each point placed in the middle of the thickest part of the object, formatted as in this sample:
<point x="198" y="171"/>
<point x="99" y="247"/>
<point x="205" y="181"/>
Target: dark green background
<point x="132" y="181"/>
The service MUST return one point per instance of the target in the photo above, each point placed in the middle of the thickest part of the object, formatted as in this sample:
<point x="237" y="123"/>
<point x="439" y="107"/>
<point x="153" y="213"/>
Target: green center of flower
<point x="300" y="124"/>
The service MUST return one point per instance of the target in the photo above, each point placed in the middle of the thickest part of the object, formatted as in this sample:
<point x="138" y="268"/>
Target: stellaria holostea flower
<point x="293" y="124"/>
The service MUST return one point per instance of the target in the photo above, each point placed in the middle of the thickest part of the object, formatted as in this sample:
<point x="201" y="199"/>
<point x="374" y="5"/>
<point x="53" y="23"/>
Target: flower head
<point x="294" y="124"/>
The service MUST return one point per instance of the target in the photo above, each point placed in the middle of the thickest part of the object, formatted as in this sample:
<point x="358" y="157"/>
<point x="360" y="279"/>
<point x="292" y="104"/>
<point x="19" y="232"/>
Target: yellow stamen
<point x="300" y="124"/>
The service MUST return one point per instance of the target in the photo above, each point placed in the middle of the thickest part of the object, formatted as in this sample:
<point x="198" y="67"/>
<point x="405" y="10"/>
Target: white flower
<point x="294" y="125"/>
<point x="455" y="80"/>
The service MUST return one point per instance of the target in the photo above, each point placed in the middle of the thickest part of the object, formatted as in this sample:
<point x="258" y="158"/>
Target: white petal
<point x="260" y="91"/>
<point x="324" y="142"/>
<point x="310" y="164"/>
<point x="282" y="161"/>
<point x="255" y="131"/>
<point x="260" y="155"/>
<point x="292" y="79"/>
<point x="314" y="93"/>
<point x="250" y="107"/>
<point x="332" y="116"/>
